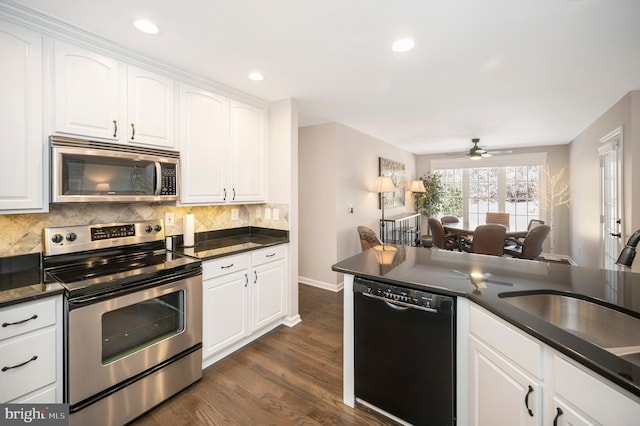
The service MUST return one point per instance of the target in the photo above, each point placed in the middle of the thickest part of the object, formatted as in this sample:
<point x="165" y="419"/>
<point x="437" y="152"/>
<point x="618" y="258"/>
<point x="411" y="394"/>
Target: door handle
<point x="616" y="234"/>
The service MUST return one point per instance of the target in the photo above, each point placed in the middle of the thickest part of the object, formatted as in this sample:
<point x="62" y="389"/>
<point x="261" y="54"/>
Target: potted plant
<point x="429" y="203"/>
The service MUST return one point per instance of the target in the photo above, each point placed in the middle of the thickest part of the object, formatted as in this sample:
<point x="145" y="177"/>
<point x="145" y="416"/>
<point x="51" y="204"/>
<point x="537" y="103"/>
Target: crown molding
<point x="59" y="29"/>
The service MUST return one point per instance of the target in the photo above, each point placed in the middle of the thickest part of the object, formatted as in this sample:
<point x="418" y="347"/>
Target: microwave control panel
<point x="169" y="180"/>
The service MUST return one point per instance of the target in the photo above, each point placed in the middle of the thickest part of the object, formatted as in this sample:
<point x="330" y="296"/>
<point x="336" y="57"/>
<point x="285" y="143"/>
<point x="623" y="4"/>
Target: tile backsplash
<point x="22" y="233"/>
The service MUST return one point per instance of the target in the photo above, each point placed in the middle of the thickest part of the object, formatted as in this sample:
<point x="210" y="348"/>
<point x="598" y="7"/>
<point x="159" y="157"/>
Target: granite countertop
<point x="212" y="244"/>
<point x="21" y="280"/>
<point x="448" y="273"/>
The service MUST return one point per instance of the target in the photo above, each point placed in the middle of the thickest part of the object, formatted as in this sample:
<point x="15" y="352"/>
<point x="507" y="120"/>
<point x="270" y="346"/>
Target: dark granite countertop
<point x="212" y="244"/>
<point x="447" y="273"/>
<point x="21" y="280"/>
<point x="21" y="276"/>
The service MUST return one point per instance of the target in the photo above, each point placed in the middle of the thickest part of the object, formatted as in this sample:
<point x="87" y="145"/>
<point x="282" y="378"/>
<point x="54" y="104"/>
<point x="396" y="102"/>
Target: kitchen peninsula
<point x="510" y="363"/>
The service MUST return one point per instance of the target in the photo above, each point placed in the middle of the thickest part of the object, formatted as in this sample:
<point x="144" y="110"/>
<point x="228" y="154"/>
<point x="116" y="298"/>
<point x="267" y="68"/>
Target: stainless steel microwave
<point x="84" y="171"/>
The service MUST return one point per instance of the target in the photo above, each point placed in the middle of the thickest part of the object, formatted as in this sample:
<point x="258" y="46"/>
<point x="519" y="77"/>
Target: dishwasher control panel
<point x="403" y="295"/>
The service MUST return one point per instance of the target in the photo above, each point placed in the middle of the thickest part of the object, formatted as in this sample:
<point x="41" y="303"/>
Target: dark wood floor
<point x="291" y="376"/>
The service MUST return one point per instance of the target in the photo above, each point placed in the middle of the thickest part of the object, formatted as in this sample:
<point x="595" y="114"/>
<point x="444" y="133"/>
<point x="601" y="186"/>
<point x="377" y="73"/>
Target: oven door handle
<point x="395" y="304"/>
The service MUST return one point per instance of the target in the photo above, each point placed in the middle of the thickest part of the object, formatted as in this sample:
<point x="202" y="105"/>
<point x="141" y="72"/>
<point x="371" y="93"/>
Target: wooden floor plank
<point x="290" y="376"/>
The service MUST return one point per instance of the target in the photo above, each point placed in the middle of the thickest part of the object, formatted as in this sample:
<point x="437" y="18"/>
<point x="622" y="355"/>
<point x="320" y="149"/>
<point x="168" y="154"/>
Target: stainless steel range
<point x="133" y="318"/>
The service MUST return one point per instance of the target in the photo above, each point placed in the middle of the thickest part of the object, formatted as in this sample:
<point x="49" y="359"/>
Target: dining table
<point x="467" y="229"/>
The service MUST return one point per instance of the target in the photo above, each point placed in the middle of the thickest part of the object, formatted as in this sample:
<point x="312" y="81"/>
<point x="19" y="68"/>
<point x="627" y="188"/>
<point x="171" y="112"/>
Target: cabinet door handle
<point x="234" y="194"/>
<point x="255" y="277"/>
<point x="133" y="131"/>
<point x="526" y="401"/>
<point x="226" y="266"/>
<point x="224" y="198"/>
<point x="558" y="414"/>
<point x="246" y="280"/>
<point x="7" y="324"/>
<point x="33" y="358"/>
<point x="115" y="129"/>
<point x="270" y="255"/>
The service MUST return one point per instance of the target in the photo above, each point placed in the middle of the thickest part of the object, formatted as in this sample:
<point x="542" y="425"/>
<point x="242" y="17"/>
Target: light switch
<point x="276" y="214"/>
<point x="234" y="214"/>
<point x="267" y="213"/>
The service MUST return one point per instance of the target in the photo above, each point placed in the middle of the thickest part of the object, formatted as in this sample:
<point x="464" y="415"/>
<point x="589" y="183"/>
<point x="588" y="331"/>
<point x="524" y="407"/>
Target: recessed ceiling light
<point x="403" y="45"/>
<point x="146" y="26"/>
<point x="256" y="76"/>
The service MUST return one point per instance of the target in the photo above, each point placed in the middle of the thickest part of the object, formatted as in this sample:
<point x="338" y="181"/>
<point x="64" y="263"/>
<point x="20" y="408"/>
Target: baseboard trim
<point x="321" y="284"/>
<point x="292" y="321"/>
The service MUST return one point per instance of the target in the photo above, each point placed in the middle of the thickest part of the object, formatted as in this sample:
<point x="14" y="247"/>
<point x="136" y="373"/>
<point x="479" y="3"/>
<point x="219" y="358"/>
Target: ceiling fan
<point x="476" y="153"/>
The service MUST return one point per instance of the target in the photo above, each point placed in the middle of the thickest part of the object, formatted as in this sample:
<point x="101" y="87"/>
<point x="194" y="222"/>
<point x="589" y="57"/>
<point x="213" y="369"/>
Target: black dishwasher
<point x="405" y="352"/>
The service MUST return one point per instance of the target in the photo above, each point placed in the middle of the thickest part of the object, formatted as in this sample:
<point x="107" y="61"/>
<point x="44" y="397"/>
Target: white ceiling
<point x="511" y="72"/>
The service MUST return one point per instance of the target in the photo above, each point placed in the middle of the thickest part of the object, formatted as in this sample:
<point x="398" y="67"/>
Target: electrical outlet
<point x="258" y="213"/>
<point x="276" y="214"/>
<point x="169" y="219"/>
<point x="234" y="214"/>
<point x="267" y="213"/>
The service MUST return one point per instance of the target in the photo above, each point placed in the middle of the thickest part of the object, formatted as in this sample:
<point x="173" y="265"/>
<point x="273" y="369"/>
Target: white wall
<point x="337" y="168"/>
<point x="585" y="179"/>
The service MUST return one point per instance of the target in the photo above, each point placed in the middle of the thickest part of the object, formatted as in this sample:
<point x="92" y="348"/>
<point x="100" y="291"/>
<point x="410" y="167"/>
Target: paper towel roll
<point x="189" y="226"/>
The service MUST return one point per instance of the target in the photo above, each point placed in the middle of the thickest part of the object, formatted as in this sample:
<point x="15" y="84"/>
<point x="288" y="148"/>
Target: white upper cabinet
<point x="248" y="143"/>
<point x="86" y="93"/>
<point x="222" y="148"/>
<point x="98" y="97"/>
<point x="21" y="174"/>
<point x="150" y="108"/>
<point x="204" y="135"/>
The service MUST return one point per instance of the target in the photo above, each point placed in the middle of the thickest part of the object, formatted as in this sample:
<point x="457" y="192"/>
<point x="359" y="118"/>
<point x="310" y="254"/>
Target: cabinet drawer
<point x="267" y="255"/>
<point x="225" y="265"/>
<point x="33" y="374"/>
<point x="27" y="317"/>
<point x="522" y="350"/>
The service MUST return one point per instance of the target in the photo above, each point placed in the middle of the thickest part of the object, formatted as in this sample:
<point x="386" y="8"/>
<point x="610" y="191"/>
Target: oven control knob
<point x="148" y="228"/>
<point x="57" y="238"/>
<point x="157" y="228"/>
<point x="71" y="236"/>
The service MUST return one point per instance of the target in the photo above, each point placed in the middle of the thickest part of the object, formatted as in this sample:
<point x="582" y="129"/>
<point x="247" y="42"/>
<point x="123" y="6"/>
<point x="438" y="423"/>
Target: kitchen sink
<point x="600" y="325"/>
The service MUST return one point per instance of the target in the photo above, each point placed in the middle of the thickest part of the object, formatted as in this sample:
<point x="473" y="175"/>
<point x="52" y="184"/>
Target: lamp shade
<point x="383" y="184"/>
<point x="417" y="186"/>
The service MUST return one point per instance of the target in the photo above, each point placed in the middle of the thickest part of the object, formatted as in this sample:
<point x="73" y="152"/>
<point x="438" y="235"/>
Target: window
<point x="498" y="187"/>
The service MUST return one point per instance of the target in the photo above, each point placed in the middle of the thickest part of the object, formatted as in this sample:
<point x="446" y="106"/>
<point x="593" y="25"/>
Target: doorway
<point x="611" y="208"/>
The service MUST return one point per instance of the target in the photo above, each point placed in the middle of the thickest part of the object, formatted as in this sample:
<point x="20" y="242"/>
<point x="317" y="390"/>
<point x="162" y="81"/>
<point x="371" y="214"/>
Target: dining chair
<point x="368" y="238"/>
<point x="439" y="238"/>
<point x="487" y="239"/>
<point x="449" y="219"/>
<point x="533" y="223"/>
<point x="499" y="218"/>
<point x="531" y="246"/>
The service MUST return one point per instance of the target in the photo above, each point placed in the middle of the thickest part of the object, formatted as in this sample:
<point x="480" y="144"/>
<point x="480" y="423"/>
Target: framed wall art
<point x="396" y="171"/>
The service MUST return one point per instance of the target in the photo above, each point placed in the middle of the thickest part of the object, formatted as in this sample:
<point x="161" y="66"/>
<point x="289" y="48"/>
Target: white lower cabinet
<point x="515" y="379"/>
<point x="243" y="297"/>
<point x="505" y="376"/>
<point x="31" y="352"/>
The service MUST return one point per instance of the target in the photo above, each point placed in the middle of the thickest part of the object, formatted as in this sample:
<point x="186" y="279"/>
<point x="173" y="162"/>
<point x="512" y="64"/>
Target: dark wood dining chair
<point x="531" y="246"/>
<point x="438" y="236"/>
<point x="487" y="239"/>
